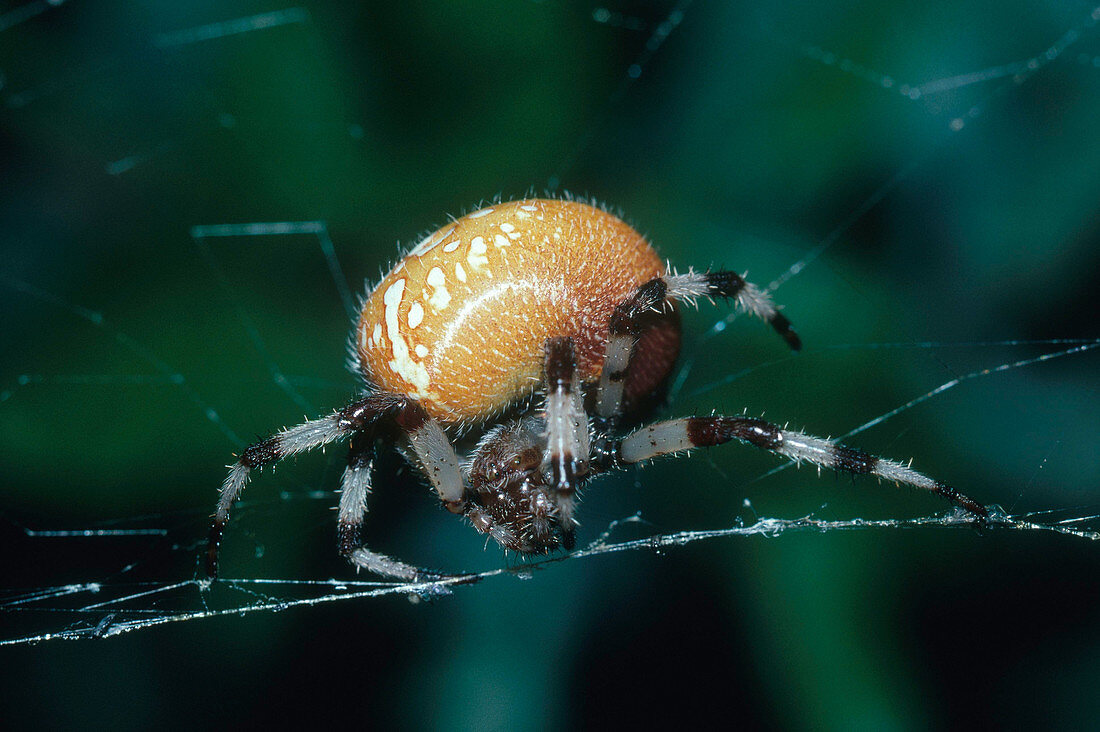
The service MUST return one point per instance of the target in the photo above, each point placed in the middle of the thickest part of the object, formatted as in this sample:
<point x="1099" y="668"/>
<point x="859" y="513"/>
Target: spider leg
<point x="677" y="435"/>
<point x="745" y="295"/>
<point x="484" y="523"/>
<point x="437" y="458"/>
<point x="363" y="558"/>
<point x="435" y="453"/>
<point x="567" y="431"/>
<point x="291" y="441"/>
<point x="624" y="324"/>
<point x="355" y="486"/>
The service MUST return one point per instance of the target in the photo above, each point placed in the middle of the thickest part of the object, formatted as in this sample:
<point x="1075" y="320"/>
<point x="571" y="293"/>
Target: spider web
<point x="143" y="571"/>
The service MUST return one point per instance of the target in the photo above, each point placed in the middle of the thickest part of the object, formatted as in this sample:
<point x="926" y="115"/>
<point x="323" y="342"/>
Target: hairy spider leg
<point x="566" y="422"/>
<point x="624" y="324"/>
<point x="663" y="438"/>
<point x="355" y="485"/>
<point x="567" y="430"/>
<point x="436" y="455"/>
<point x="486" y="524"/>
<point x="363" y="558"/>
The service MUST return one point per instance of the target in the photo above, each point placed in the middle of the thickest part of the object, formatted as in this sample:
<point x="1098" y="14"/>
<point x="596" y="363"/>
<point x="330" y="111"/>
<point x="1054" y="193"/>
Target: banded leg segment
<point x="355" y="486"/>
<point x="437" y="457"/>
<point x="298" y="439"/>
<point x="567" y="435"/>
<point x="624" y="324"/>
<point x="363" y="558"/>
<point x="683" y="434"/>
<point x="746" y="296"/>
<point x="623" y="333"/>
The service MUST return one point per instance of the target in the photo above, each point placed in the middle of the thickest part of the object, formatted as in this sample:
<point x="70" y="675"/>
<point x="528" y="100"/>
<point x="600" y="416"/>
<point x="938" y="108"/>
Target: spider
<point x="543" y="324"/>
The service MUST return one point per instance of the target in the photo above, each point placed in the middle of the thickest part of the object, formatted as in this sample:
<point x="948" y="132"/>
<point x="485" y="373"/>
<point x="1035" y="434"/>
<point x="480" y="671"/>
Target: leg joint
<point x="261" y="453"/>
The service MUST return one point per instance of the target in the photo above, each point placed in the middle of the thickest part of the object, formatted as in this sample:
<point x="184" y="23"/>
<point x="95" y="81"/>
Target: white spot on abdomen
<point x="476" y="258"/>
<point x="416" y="315"/>
<point x="401" y="363"/>
<point x="438" y="281"/>
<point x="460" y="272"/>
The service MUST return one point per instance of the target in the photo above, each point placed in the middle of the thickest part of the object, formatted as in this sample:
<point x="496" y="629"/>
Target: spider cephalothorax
<point x="555" y="299"/>
<point x="511" y="496"/>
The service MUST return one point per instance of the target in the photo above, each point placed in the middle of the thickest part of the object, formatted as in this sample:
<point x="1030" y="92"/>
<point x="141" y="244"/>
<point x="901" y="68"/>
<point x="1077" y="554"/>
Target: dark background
<point x="962" y="224"/>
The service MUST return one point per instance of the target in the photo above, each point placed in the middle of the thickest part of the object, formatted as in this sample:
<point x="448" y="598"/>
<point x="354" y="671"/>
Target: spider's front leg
<point x="434" y="452"/>
<point x="355" y="486"/>
<point x="292" y="441"/>
<point x="567" y="436"/>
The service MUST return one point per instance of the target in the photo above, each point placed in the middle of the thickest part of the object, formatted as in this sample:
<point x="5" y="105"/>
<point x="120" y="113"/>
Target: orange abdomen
<point x="460" y="322"/>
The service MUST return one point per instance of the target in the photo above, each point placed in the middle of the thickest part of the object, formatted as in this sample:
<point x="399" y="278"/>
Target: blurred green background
<point x="957" y="190"/>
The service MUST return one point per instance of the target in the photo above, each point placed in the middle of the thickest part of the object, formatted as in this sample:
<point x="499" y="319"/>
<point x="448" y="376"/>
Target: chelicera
<point x="540" y="324"/>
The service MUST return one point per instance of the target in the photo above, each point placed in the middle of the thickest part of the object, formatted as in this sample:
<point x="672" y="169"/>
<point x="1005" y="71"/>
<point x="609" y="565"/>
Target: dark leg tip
<point x="212" y="545"/>
<point x="212" y="563"/>
<point x="783" y="328"/>
<point x="975" y="509"/>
